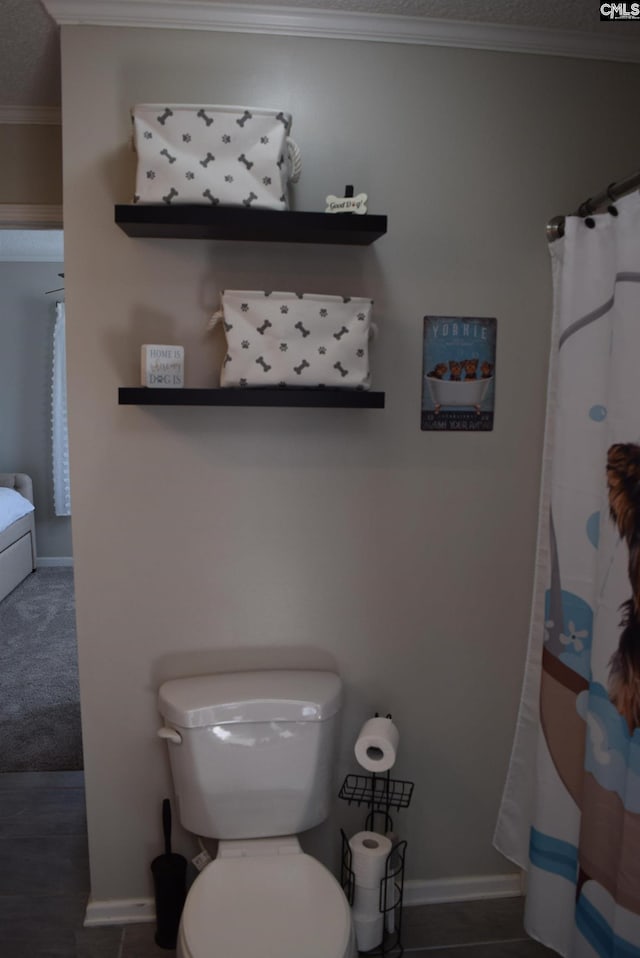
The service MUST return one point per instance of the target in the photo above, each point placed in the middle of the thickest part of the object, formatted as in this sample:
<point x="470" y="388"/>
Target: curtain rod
<point x="555" y="226"/>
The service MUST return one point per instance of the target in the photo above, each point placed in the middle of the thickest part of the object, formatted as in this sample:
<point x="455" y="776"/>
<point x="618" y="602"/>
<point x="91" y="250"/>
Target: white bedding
<point x="13" y="506"/>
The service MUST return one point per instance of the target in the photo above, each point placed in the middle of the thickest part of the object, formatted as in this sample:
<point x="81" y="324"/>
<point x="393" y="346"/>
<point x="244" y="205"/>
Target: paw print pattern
<point x="277" y="340"/>
<point x="189" y="175"/>
<point x="226" y="138"/>
<point x="264" y="139"/>
<point x="151" y="175"/>
<point x="148" y="135"/>
<point x="186" y="138"/>
<point x="266" y="180"/>
<point x="228" y="178"/>
<point x="361" y="317"/>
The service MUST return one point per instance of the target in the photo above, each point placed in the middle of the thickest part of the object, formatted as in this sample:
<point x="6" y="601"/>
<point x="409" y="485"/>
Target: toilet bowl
<point x="276" y="902"/>
<point x="252" y="758"/>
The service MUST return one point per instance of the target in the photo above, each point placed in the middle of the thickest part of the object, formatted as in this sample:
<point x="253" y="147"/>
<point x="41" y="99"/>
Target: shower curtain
<point x="570" y="813"/>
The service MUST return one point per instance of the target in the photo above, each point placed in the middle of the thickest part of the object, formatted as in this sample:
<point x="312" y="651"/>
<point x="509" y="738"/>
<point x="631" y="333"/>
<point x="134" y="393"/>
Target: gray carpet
<point x="39" y="695"/>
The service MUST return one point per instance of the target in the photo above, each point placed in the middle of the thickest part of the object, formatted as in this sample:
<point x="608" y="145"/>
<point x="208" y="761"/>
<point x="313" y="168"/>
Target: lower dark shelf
<point x="246" y="396"/>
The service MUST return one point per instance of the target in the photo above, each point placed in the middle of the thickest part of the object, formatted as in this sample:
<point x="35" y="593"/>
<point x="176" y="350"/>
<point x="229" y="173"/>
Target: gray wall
<point x="26" y="329"/>
<point x="210" y="538"/>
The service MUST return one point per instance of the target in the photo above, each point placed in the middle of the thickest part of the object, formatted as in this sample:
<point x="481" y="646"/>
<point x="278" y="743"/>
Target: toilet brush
<point x="169" y="878"/>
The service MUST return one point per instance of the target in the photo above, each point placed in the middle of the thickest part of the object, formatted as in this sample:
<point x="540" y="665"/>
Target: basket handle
<point x="215" y="319"/>
<point x="295" y="160"/>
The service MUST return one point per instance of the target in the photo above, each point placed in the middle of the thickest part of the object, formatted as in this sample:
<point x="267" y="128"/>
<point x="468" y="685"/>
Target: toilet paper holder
<point x="390" y="894"/>
<point x="379" y="793"/>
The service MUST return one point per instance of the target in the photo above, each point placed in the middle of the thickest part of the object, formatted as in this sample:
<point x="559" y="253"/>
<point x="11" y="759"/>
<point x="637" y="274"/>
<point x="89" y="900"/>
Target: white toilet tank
<point x="252" y="753"/>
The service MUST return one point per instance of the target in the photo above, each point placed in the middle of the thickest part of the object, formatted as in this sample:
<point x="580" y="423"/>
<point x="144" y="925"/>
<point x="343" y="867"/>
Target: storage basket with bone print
<point x="227" y="155"/>
<point x="290" y="339"/>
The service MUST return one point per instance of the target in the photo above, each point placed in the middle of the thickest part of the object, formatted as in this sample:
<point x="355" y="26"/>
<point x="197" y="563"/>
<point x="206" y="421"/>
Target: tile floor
<point x="44" y="887"/>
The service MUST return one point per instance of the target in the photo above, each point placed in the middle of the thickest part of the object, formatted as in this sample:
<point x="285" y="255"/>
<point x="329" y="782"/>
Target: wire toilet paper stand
<point x="380" y="794"/>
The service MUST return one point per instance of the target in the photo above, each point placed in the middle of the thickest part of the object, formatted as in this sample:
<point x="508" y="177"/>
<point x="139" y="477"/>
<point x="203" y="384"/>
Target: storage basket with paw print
<point x="214" y="155"/>
<point x="289" y="339"/>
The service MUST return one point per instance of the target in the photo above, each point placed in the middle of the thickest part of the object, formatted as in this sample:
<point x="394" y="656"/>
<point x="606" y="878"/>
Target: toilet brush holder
<point x="169" y="881"/>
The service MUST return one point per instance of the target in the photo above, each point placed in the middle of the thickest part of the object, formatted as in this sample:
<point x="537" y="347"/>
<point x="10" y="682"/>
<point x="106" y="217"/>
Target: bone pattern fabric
<point x="285" y="339"/>
<point x="212" y="155"/>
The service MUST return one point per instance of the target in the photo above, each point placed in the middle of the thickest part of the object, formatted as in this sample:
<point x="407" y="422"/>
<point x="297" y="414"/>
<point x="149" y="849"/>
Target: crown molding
<point x="339" y="24"/>
<point x="31" y="115"/>
<point x="18" y="216"/>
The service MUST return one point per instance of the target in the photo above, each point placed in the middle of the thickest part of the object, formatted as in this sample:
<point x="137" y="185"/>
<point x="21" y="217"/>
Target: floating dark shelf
<point x="290" y="396"/>
<point x="238" y="223"/>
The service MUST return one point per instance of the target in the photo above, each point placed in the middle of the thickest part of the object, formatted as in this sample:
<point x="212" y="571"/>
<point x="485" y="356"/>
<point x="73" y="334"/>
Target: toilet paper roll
<point x="377" y="744"/>
<point x="369" y="931"/>
<point x="366" y="901"/>
<point x="392" y="901"/>
<point x="369" y="852"/>
<point x="391" y="896"/>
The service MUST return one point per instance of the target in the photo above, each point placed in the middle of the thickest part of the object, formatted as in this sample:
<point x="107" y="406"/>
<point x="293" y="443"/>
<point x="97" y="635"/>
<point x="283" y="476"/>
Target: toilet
<point x="252" y="759"/>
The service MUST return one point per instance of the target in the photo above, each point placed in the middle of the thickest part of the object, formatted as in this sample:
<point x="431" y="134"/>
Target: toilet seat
<point x="275" y="906"/>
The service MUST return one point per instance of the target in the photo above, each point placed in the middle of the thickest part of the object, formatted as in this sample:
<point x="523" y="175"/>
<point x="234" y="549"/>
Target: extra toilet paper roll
<point x="369" y="931"/>
<point x="392" y="900"/>
<point x="391" y="897"/>
<point x="369" y="852"/>
<point x="366" y="901"/>
<point x="377" y="744"/>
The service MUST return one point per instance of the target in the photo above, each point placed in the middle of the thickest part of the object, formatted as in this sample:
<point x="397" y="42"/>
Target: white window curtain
<point x="59" y="431"/>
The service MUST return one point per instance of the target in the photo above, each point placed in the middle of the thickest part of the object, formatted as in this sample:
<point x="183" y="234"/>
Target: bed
<point x="17" y="536"/>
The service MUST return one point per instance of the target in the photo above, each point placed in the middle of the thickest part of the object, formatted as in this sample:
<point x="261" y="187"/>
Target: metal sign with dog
<point x="458" y="373"/>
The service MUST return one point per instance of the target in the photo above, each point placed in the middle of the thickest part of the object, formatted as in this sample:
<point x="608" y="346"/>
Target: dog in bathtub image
<point x="591" y="719"/>
<point x="623" y="484"/>
<point x="458" y="372"/>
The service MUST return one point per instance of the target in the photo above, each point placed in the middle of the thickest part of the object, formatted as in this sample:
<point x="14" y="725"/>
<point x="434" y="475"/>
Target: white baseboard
<point x="471" y="888"/>
<point x="119" y="911"/>
<point x="43" y="561"/>
<point x="127" y="911"/>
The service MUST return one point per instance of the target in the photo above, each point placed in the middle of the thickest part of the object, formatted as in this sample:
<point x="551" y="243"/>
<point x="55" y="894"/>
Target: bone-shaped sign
<point x="347" y="204"/>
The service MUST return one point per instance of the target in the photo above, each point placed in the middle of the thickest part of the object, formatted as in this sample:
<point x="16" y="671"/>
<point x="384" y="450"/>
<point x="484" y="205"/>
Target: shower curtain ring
<point x="585" y="210"/>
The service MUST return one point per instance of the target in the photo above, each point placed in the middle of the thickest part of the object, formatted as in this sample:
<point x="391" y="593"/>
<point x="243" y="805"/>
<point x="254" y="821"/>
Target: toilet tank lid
<point x="269" y="696"/>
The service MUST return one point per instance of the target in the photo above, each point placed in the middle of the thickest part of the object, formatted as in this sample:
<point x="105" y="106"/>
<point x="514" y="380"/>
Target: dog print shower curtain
<point x="570" y="813"/>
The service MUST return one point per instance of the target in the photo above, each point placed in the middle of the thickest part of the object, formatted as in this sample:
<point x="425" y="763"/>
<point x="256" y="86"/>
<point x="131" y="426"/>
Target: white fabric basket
<point x="228" y="155"/>
<point x="287" y="339"/>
